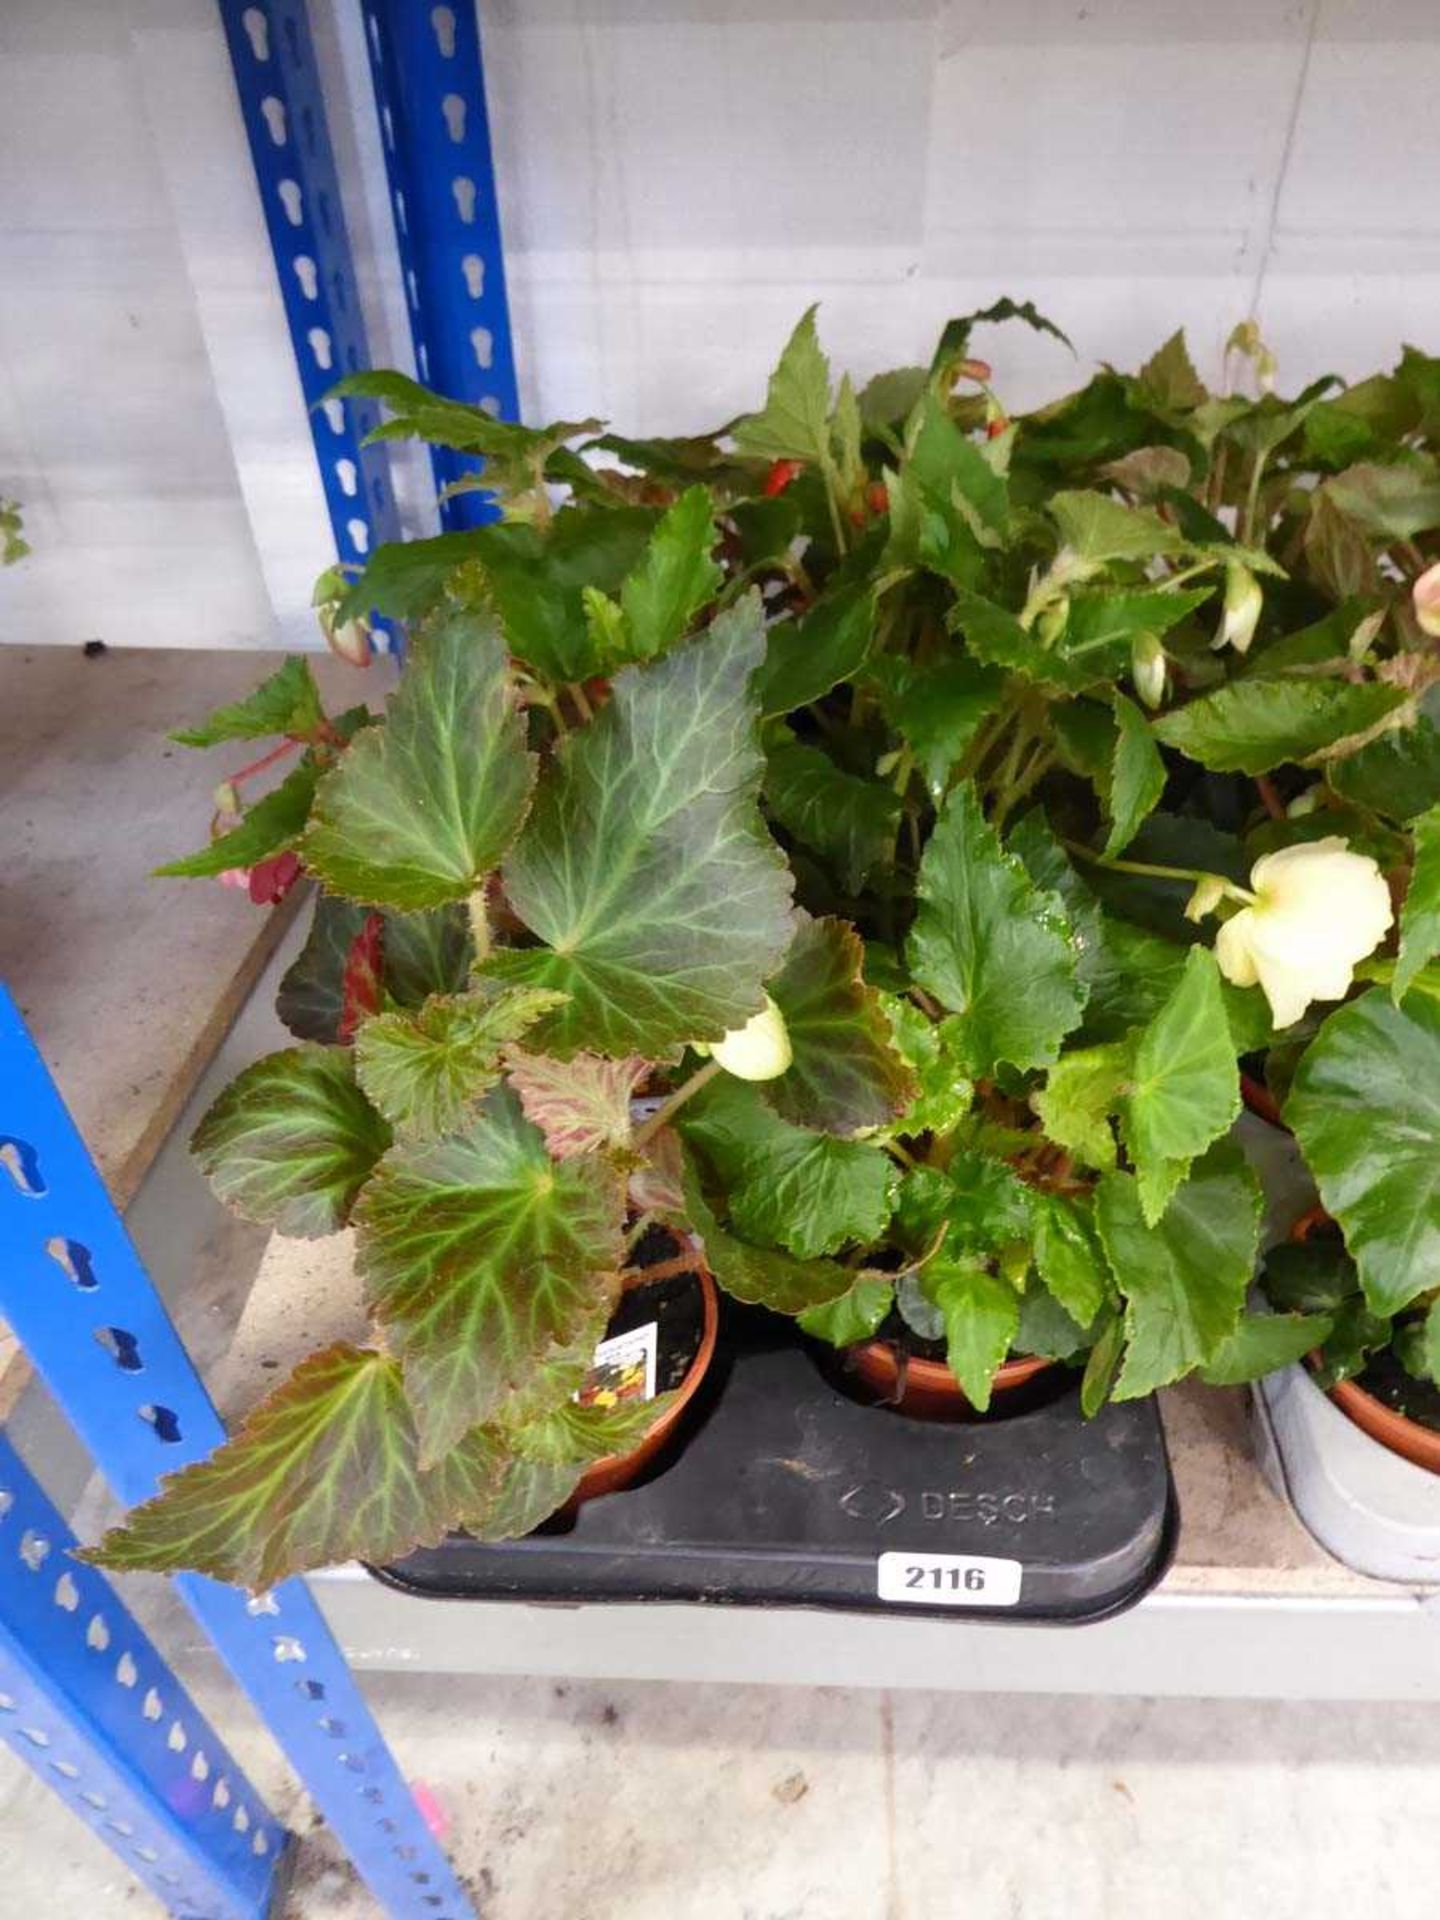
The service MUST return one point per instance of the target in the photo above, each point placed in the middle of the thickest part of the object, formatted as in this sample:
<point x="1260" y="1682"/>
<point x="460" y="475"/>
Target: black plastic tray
<point x="784" y="1490"/>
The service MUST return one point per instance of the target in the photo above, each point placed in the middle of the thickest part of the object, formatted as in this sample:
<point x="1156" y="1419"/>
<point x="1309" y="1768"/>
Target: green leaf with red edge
<point x="422" y="954"/>
<point x="550" y="1453"/>
<point x="482" y="1257"/>
<point x="272" y="824"/>
<point x="419" y="810"/>
<point x="758" y="1276"/>
<point x="644" y="868"/>
<point x="361" y="987"/>
<point x="581" y="1105"/>
<point x="288" y="702"/>
<point x="291" y="1141"/>
<point x="845" y="1073"/>
<point x="427" y="1070"/>
<point x="323" y="1471"/>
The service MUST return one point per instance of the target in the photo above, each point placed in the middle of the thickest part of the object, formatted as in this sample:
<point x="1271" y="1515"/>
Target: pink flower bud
<point x="1425" y="595"/>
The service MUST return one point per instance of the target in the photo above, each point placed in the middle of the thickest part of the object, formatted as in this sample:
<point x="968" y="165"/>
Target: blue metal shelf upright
<point x="85" y="1697"/>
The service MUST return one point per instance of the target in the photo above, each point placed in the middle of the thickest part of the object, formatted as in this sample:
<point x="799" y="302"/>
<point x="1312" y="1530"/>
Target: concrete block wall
<point x="679" y="178"/>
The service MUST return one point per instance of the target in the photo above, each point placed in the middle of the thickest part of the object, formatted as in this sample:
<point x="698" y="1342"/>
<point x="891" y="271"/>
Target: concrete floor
<point x="648" y="1800"/>
<point x="645" y="1801"/>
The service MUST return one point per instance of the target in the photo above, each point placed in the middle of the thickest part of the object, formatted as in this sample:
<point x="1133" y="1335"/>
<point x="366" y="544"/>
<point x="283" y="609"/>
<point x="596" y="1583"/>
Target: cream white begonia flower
<point x="1319" y="911"/>
<point x="760" y="1050"/>
<point x="1425" y="597"/>
<point x="1243" y="604"/>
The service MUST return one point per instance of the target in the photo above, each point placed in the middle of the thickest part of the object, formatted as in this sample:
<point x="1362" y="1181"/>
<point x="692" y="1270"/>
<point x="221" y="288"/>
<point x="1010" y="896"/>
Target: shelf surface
<point x="127" y="983"/>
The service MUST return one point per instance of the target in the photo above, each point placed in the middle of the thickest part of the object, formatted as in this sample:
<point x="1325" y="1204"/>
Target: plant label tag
<point x="947" y="1580"/>
<point x="623" y="1369"/>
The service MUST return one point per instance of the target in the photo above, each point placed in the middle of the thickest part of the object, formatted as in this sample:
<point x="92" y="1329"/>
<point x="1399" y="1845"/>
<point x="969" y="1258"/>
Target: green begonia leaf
<point x="1080" y="1093"/>
<point x="794" y="423"/>
<point x="291" y="1141"/>
<point x="988" y="1207"/>
<point x="846" y="1073"/>
<point x="1184" y="1279"/>
<point x="644" y="867"/>
<point x="483" y="1257"/>
<point x="581" y="1105"/>
<point x="1253" y="725"/>
<point x="938" y="712"/>
<point x="991" y="946"/>
<point x="1183" y="1089"/>
<point x="538" y="583"/>
<point x="421" y="809"/>
<point x="788" y="1186"/>
<point x="427" y="1070"/>
<point x="1365" y="1107"/>
<point x="675" y="578"/>
<point x="1137" y="776"/>
<point x="406" y="579"/>
<point x="1263" y="1342"/>
<point x="848" y="820"/>
<point x="1420" y="915"/>
<point x="759" y="1276"/>
<point x="1397" y="775"/>
<point x="274" y="823"/>
<point x="423" y="954"/>
<point x="1068" y="1255"/>
<point x="804" y="660"/>
<point x="1099" y="529"/>
<point x="981" y="1314"/>
<point x="1102" y="1369"/>
<point x="855" y="1316"/>
<point x="325" y="1470"/>
<point x="934" y="1051"/>
<point x="1394" y="501"/>
<point x="288" y="702"/>
<point x="1168" y="378"/>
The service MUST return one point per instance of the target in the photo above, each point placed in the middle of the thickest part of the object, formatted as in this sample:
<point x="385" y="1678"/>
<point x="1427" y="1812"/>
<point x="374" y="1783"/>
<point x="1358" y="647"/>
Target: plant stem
<point x="636" y="1233"/>
<point x="265" y="760"/>
<point x="477" y="907"/>
<point x="1188" y="874"/>
<point x="1274" y="805"/>
<point x="832" y="500"/>
<point x="700" y="1078"/>
<point x="1040" y="764"/>
<point x="1252" y="499"/>
<point x="582" y="704"/>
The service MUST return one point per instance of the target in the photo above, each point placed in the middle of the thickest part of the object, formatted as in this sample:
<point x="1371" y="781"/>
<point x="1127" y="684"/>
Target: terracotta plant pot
<point x="1393" y="1430"/>
<point x="618" y="1470"/>
<point x="1414" y="1442"/>
<point x="926" y="1389"/>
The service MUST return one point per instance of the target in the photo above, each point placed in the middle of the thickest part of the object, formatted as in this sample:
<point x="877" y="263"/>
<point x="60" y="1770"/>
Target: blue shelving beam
<point x="75" y="1293"/>
<point x="88" y="1703"/>
<point x="428" y="74"/>
<point x="284" y="114"/>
